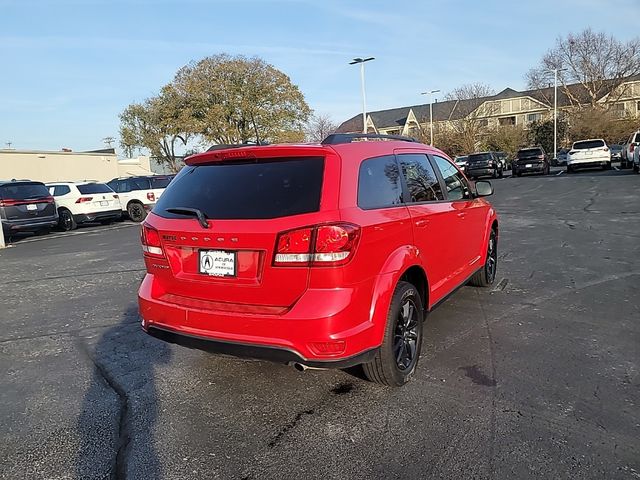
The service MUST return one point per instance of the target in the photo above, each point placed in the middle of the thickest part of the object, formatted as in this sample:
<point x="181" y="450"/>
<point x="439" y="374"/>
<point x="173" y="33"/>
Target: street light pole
<point x="430" y="92"/>
<point x="362" y="61"/>
<point x="555" y="114"/>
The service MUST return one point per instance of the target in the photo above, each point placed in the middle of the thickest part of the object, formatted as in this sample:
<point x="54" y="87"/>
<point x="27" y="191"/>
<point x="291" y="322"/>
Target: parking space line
<point x="73" y="234"/>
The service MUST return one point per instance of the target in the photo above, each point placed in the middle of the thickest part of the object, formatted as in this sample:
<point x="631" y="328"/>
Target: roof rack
<point x="236" y="145"/>
<point x="338" y="138"/>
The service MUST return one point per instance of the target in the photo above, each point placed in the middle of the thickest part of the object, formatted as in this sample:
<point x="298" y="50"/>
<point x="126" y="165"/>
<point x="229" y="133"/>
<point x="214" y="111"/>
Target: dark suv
<point x="26" y="206"/>
<point x="483" y="164"/>
<point x="530" y="160"/>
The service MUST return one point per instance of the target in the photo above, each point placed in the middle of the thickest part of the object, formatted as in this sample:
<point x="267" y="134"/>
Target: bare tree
<point x="319" y="127"/>
<point x="598" y="63"/>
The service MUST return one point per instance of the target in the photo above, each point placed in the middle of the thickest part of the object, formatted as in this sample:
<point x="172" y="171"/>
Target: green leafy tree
<point x="160" y="124"/>
<point x="238" y="99"/>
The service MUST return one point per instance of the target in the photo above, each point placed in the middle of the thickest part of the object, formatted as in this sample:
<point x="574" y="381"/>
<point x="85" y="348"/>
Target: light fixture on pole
<point x="430" y="92"/>
<point x="362" y="61"/>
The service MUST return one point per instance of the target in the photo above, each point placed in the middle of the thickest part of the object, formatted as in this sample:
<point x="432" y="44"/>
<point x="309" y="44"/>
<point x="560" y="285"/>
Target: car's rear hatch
<point x="97" y="197"/>
<point x="26" y="202"/>
<point x="248" y="199"/>
<point x="480" y="160"/>
<point x="588" y="149"/>
<point x="529" y="155"/>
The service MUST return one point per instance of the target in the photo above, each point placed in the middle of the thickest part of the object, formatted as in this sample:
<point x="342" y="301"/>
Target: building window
<point x="638" y="106"/>
<point x="393" y="131"/>
<point x="534" y="117"/>
<point x="619" y="110"/>
<point x="507" y="121"/>
<point x="483" y="122"/>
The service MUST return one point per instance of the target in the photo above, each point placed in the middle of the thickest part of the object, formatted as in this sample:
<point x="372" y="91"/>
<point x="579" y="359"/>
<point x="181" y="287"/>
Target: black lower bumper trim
<point x="98" y="216"/>
<point x="261" y="352"/>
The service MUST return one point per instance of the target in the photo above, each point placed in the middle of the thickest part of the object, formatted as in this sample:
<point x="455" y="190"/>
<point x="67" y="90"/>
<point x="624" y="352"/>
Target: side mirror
<point x="483" y="188"/>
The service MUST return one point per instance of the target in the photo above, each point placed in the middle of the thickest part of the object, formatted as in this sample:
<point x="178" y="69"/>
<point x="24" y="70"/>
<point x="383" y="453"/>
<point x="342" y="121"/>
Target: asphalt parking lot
<point x="537" y="377"/>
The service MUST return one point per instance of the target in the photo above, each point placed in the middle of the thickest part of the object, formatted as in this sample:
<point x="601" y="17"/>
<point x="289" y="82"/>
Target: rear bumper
<point x="523" y="168"/>
<point x="13" y="226"/>
<point x="334" y="316"/>
<point x="480" y="172"/>
<point x="589" y="162"/>
<point x="93" y="216"/>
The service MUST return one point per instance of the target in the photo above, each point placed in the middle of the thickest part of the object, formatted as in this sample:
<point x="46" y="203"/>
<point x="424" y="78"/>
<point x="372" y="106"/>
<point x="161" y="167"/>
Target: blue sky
<point x="70" y="66"/>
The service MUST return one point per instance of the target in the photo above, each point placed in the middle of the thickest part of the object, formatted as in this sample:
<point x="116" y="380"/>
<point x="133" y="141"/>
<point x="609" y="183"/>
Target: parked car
<point x="588" y="153"/>
<point x="461" y="161"/>
<point x="626" y="159"/>
<point x="561" y="159"/>
<point x="138" y="195"/>
<point x="504" y="160"/>
<point x="530" y="160"/>
<point x="483" y="164"/>
<point x="616" y="152"/>
<point x="26" y="206"/>
<point x="81" y="202"/>
<point x="635" y="164"/>
<point x="324" y="255"/>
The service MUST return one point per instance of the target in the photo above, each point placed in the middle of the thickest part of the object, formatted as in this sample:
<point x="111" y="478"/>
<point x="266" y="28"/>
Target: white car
<point x="635" y="161"/>
<point x="588" y="153"/>
<point x="630" y="150"/>
<point x="138" y="195"/>
<point x="80" y="202"/>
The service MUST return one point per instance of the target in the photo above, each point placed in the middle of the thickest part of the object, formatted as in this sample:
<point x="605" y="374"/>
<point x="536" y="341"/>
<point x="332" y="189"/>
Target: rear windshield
<point x="529" y="152"/>
<point x="479" y="157"/>
<point x="277" y="187"/>
<point x="588" y="144"/>
<point x="461" y="159"/>
<point x="94" y="188"/>
<point x="160" y="182"/>
<point x="23" y="191"/>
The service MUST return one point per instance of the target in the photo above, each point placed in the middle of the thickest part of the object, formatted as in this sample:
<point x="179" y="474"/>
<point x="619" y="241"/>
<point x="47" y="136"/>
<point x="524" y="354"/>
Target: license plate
<point x="104" y="204"/>
<point x="32" y="206"/>
<point x="218" y="263"/>
<point x="529" y="165"/>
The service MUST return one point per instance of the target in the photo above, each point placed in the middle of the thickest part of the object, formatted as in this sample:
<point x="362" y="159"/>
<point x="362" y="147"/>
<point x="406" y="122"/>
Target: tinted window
<point x="422" y="183"/>
<point x="139" y="183"/>
<point x="59" y="190"/>
<point x="529" y="152"/>
<point x="379" y="183"/>
<point x="23" y="191"/>
<point x="588" y="144"/>
<point x="94" y="188"/>
<point x="238" y="190"/>
<point x="479" y="157"/>
<point x="160" y="182"/>
<point x="453" y="180"/>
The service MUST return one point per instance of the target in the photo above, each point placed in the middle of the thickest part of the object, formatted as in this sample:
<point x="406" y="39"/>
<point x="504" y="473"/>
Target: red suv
<point x="325" y="255"/>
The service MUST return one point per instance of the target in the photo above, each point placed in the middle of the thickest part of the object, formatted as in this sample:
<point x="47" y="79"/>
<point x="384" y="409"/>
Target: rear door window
<point x="422" y="182"/>
<point x="379" y="183"/>
<point x="270" y="188"/>
<point x="455" y="183"/>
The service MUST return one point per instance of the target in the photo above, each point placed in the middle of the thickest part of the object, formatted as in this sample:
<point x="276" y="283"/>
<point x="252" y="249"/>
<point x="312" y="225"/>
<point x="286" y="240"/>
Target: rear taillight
<point x="151" y="196"/>
<point x="317" y="245"/>
<point x="150" y="239"/>
<point x="632" y="147"/>
<point x="84" y="199"/>
<point x="8" y="203"/>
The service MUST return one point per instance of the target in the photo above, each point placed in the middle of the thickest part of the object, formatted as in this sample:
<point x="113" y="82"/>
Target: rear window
<point x="529" y="152"/>
<point x="160" y="182"/>
<point x="479" y="157"/>
<point x="23" y="191"/>
<point x="94" y="188"/>
<point x="274" y="188"/>
<point x="588" y="144"/>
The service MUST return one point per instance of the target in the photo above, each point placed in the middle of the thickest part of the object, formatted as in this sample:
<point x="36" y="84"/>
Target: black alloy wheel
<point x="405" y="339"/>
<point x="66" y="221"/>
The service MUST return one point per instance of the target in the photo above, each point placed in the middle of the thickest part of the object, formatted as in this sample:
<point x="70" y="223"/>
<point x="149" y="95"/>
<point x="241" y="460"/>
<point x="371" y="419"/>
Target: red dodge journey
<point x="328" y="255"/>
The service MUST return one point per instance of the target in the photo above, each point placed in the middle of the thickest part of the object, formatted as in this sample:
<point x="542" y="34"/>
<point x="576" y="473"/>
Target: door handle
<point x="422" y="223"/>
<point x="461" y="214"/>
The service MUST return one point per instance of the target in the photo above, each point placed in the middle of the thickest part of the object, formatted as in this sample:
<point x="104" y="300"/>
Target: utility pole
<point x="362" y="61"/>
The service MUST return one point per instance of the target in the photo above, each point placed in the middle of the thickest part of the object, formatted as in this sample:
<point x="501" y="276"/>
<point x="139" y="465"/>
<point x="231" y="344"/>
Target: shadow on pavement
<point x="120" y="407"/>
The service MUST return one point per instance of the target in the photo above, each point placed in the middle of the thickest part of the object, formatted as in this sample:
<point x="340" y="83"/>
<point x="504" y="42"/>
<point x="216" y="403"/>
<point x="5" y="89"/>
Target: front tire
<point x="66" y="222"/>
<point x="136" y="212"/>
<point x="397" y="357"/>
<point x="487" y="274"/>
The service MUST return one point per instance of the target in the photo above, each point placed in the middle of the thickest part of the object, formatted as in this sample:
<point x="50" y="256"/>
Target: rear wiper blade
<point x="190" y="211"/>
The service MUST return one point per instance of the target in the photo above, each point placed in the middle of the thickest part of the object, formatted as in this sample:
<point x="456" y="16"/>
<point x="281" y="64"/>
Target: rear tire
<point x="398" y="356"/>
<point x="136" y="212"/>
<point x="66" y="222"/>
<point x="487" y="274"/>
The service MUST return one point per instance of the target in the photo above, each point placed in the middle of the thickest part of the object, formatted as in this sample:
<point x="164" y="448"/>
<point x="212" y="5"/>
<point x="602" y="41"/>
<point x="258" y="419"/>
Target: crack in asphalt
<point x="119" y="463"/>
<point x="73" y="332"/>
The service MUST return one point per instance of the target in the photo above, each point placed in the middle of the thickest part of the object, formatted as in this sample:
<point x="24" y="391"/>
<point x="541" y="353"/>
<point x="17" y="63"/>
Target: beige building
<point x="52" y="166"/>
<point x="509" y="107"/>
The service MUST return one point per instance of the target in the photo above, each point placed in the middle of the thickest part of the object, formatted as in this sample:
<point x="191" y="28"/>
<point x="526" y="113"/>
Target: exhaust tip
<point x="299" y="367"/>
